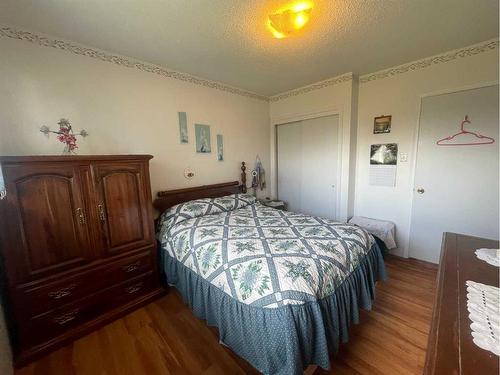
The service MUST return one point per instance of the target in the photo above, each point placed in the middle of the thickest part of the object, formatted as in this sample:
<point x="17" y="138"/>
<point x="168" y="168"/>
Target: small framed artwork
<point x="382" y="124"/>
<point x="183" y="128"/>
<point x="202" y="134"/>
<point x="220" y="148"/>
<point x="386" y="154"/>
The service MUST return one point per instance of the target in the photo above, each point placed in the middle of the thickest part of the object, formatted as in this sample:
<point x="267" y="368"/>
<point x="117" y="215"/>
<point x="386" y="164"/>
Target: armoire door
<point x="46" y="220"/>
<point x="121" y="206"/>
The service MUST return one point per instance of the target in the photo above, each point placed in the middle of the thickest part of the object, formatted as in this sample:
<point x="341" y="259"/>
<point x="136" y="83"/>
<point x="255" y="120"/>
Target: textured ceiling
<point x="227" y="40"/>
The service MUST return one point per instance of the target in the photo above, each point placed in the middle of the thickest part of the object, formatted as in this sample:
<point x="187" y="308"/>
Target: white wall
<point x="400" y="96"/>
<point x="328" y="100"/>
<point x="125" y="111"/>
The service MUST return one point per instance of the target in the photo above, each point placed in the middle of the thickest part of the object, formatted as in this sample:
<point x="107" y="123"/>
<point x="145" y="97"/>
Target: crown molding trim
<point x="473" y="50"/>
<point x="315" y="86"/>
<point x="81" y="50"/>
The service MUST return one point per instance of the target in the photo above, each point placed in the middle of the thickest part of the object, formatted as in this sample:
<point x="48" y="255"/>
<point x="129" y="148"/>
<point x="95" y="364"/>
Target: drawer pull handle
<point x="67" y="317"/>
<point x="132" y="267"/>
<point x="63" y="292"/>
<point x="102" y="215"/>
<point x="80" y="216"/>
<point x="134" y="288"/>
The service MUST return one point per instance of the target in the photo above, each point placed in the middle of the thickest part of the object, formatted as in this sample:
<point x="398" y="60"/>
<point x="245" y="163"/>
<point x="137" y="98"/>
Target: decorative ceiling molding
<point x="438" y="59"/>
<point x="415" y="65"/>
<point x="78" y="49"/>
<point x="315" y="86"/>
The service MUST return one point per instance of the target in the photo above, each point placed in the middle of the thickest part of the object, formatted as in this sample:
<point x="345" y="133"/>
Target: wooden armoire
<point x="77" y="245"/>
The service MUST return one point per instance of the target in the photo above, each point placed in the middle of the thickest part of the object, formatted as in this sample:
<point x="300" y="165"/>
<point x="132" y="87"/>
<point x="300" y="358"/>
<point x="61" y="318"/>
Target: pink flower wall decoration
<point x="65" y="135"/>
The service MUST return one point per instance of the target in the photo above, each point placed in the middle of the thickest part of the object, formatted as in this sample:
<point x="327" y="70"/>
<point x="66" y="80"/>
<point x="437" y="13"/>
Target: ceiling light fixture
<point x="289" y="19"/>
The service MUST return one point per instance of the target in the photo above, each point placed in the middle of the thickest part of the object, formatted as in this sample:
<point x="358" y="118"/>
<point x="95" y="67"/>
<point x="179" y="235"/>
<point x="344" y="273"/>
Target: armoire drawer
<point x="132" y="289"/>
<point x="53" y="323"/>
<point x="56" y="294"/>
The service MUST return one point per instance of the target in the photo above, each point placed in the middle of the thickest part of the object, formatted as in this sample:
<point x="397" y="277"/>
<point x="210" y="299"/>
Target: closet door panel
<point x="319" y="167"/>
<point x="121" y="206"/>
<point x="307" y="155"/>
<point x="289" y="157"/>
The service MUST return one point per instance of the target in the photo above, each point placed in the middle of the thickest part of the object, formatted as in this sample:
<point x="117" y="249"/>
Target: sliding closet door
<point x="307" y="165"/>
<point x="290" y="164"/>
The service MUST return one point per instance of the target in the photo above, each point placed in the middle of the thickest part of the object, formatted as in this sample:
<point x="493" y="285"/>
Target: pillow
<point x="200" y="207"/>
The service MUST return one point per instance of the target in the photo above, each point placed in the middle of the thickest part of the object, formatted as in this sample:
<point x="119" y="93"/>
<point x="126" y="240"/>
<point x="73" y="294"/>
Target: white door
<point x="456" y="187"/>
<point x="307" y="165"/>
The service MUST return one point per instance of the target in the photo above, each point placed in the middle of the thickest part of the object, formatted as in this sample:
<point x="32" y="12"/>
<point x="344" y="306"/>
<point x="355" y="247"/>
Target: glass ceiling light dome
<point x="289" y="19"/>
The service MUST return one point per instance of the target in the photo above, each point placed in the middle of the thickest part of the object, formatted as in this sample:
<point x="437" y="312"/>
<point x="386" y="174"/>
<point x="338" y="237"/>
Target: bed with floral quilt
<point x="281" y="287"/>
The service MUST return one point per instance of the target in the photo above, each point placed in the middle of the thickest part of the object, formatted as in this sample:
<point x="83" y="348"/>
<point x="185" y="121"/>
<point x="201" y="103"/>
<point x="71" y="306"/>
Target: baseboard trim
<point x="422" y="263"/>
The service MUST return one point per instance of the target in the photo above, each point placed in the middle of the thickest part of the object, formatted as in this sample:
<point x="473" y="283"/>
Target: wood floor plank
<point x="396" y="328"/>
<point x="165" y="337"/>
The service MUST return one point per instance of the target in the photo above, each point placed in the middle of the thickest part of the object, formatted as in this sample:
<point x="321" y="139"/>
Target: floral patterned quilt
<point x="259" y="255"/>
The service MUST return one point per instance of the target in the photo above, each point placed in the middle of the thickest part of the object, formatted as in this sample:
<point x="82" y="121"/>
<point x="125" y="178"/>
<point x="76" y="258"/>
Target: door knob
<point x="420" y="190"/>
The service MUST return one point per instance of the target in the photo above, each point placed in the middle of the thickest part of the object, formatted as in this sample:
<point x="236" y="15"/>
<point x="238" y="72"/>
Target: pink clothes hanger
<point x="482" y="139"/>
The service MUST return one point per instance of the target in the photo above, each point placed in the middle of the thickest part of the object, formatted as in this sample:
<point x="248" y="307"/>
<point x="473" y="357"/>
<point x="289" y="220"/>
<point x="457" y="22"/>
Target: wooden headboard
<point x="168" y="198"/>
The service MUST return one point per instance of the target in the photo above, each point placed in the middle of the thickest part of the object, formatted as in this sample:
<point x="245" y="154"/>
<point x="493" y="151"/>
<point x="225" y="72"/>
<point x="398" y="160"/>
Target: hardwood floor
<point x="164" y="337"/>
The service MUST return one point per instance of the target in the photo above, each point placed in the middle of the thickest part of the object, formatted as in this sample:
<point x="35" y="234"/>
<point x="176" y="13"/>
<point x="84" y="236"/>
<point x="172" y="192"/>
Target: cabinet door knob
<point x="420" y="190"/>
<point x="102" y="215"/>
<point x="80" y="216"/>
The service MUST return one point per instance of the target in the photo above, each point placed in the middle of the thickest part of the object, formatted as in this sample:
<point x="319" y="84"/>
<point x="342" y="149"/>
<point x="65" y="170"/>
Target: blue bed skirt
<point x="283" y="340"/>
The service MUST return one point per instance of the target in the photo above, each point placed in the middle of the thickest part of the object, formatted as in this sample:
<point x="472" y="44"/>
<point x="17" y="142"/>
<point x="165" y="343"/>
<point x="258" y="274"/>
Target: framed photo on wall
<point x="220" y="148"/>
<point x="386" y="154"/>
<point x="202" y="135"/>
<point x="183" y="128"/>
<point x="382" y="124"/>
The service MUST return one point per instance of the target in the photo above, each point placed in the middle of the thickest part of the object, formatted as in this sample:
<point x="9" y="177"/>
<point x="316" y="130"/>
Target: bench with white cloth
<point x="385" y="230"/>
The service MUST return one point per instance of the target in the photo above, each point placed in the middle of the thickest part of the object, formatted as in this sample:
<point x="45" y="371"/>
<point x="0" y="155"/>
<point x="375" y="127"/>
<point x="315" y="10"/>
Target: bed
<point x="282" y="288"/>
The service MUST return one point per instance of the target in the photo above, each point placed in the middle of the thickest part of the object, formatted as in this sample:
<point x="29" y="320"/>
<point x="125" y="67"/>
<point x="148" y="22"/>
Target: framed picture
<point x="202" y="134"/>
<point x="382" y="124"/>
<point x="386" y="154"/>
<point x="183" y="127"/>
<point x="220" y="148"/>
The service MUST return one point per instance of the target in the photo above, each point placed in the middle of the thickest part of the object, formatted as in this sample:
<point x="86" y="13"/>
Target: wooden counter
<point x="451" y="349"/>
